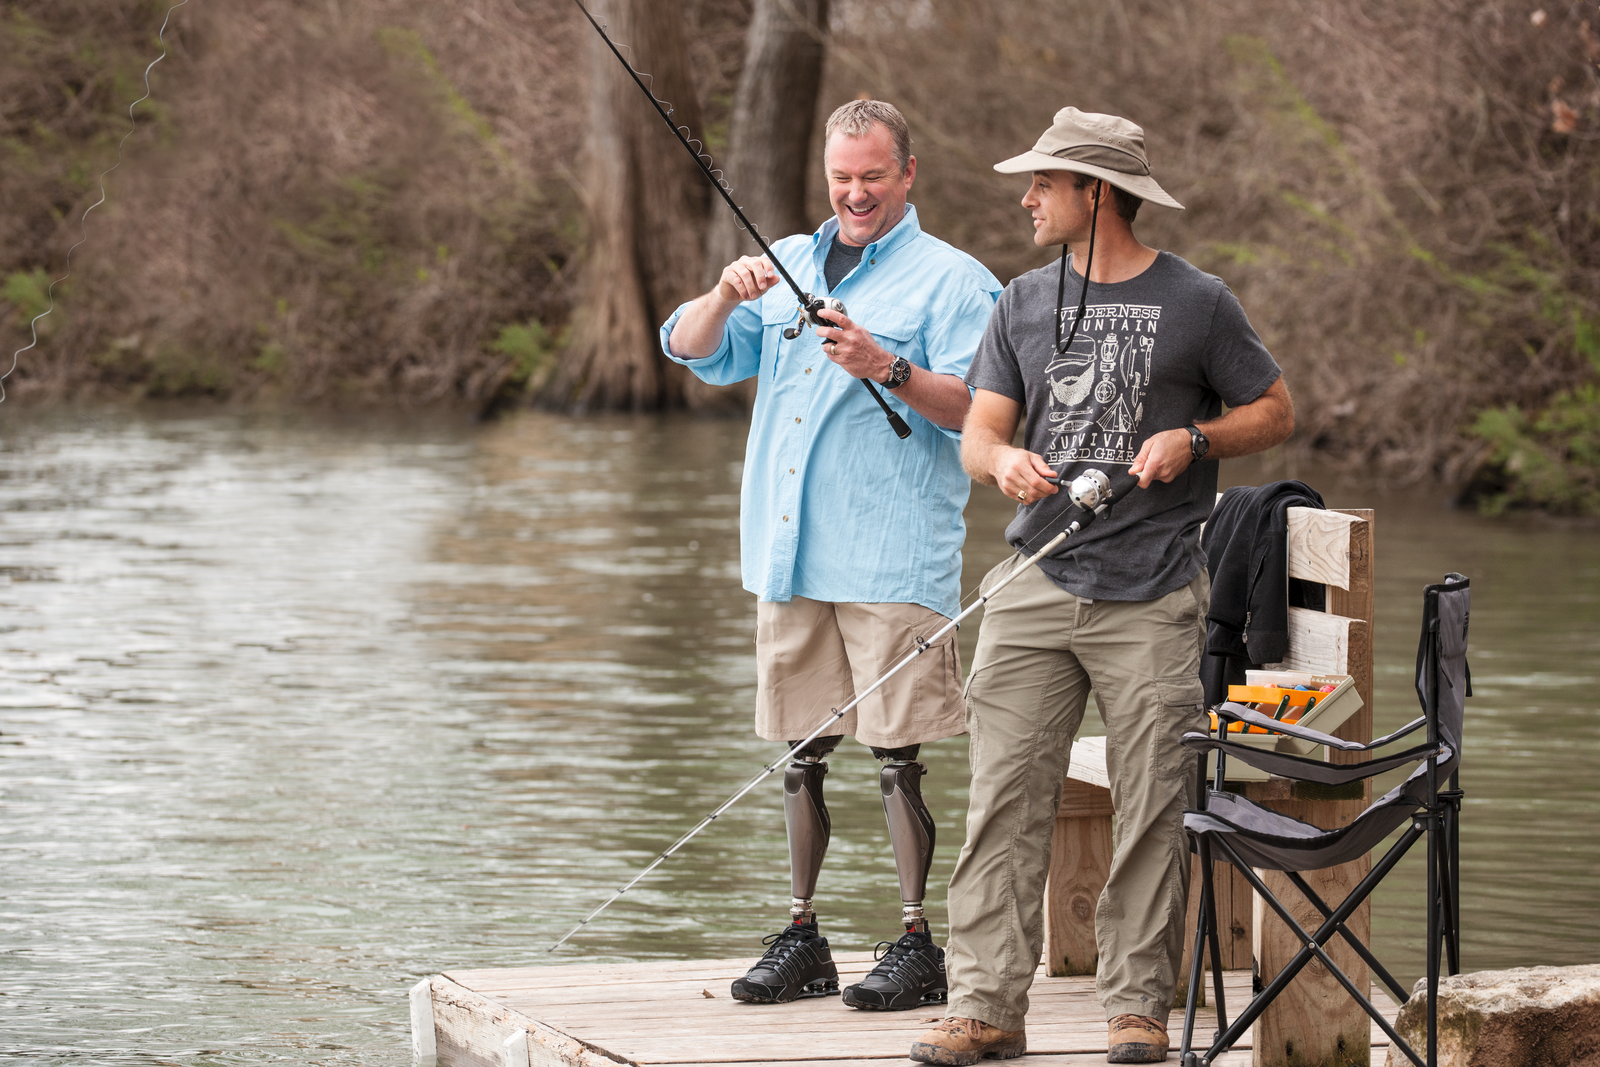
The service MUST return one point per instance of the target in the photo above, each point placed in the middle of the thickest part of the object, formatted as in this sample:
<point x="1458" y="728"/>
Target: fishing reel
<point x="1093" y="492"/>
<point x="809" y="306"/>
<point x="1089" y="489"/>
<point x="809" y="316"/>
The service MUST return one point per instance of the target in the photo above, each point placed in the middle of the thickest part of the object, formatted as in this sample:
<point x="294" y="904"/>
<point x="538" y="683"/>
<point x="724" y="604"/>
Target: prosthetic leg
<point x="911" y="829"/>
<point x="806" y="817"/>
<point x="797" y="962"/>
<point x="910" y="972"/>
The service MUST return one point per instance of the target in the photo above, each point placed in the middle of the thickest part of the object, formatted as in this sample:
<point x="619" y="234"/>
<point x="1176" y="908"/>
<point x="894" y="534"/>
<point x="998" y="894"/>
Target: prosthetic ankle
<point x="806" y="817"/>
<point x="911" y="829"/>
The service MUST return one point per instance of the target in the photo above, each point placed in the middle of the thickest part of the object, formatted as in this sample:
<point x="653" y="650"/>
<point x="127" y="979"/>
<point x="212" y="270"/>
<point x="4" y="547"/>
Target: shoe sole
<point x="937" y="996"/>
<point x="923" y="1052"/>
<point x="822" y="987"/>
<point x="1137" y="1053"/>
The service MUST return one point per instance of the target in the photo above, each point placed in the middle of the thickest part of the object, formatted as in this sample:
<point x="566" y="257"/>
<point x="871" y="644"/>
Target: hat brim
<point x="1139" y="185"/>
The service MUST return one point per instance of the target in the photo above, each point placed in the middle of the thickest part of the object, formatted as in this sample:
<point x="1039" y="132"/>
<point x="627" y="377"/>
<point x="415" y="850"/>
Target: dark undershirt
<point x="842" y="259"/>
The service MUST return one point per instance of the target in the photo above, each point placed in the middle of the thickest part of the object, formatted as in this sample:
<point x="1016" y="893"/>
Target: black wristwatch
<point x="1199" y="444"/>
<point x="899" y="373"/>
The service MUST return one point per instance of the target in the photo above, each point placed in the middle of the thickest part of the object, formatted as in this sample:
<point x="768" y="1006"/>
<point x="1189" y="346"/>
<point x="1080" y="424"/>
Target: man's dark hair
<point x="1127" y="203"/>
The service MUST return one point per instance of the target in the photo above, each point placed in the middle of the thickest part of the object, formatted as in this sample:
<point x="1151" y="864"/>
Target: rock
<point x="1522" y="1017"/>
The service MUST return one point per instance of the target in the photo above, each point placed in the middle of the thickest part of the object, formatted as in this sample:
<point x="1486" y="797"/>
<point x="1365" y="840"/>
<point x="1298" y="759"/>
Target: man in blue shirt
<point x="850" y="536"/>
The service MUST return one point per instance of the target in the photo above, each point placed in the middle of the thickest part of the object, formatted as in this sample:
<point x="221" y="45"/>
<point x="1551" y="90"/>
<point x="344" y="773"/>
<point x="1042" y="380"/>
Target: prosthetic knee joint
<point x="911" y="829"/>
<point x="806" y="817"/>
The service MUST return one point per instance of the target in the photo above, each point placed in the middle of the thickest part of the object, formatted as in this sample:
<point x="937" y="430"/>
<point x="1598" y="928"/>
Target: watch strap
<point x="899" y="373"/>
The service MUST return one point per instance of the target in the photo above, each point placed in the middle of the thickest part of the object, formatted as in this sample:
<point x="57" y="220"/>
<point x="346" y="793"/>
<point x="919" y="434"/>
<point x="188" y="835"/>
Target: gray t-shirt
<point x="1156" y="352"/>
<point x="842" y="259"/>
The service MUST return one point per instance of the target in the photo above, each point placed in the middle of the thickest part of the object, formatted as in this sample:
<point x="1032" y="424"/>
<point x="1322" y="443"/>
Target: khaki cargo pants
<point x="1039" y="653"/>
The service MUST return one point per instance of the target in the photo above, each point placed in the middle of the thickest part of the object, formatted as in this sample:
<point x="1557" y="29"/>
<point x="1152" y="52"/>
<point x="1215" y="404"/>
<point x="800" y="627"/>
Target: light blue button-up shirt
<point x="833" y="506"/>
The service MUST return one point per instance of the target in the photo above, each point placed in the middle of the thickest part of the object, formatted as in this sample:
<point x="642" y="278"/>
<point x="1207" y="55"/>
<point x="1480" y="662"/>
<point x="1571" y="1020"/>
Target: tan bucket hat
<point x="1101" y="146"/>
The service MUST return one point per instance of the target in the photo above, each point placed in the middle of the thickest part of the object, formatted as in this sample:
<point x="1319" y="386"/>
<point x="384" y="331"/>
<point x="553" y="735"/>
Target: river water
<point x="296" y="710"/>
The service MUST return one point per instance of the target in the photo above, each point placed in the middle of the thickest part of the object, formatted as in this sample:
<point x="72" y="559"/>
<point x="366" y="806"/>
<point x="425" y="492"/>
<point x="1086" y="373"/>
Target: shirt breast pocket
<point x="778" y="313"/>
<point x="894" y="328"/>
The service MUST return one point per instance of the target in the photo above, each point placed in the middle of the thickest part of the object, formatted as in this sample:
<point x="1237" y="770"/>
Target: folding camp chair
<point x="1234" y="830"/>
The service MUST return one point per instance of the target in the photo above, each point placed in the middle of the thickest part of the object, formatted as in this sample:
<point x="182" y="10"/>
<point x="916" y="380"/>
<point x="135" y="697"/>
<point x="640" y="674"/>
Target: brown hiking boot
<point x="1137" y="1039"/>
<point x="962" y="1041"/>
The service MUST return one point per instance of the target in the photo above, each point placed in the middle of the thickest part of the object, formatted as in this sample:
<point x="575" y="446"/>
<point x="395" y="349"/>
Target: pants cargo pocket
<point x="1180" y="710"/>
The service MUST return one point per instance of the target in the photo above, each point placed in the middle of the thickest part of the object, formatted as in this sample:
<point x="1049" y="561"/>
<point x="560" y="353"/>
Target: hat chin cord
<point x="1083" y="300"/>
<point x="1061" y="281"/>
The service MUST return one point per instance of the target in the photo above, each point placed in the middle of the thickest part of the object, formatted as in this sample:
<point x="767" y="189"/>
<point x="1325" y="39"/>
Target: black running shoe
<point x="797" y="964"/>
<point x="909" y="974"/>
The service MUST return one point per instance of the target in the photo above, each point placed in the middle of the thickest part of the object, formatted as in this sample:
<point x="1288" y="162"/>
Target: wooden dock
<point x="680" y="1013"/>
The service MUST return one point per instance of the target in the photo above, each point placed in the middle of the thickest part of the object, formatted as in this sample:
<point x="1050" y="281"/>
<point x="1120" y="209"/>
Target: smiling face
<point x="1061" y="213"/>
<point x="866" y="186"/>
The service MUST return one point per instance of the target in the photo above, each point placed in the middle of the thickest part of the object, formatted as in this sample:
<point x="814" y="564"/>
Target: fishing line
<point x="809" y="304"/>
<point x="83" y="227"/>
<point x="1091" y="494"/>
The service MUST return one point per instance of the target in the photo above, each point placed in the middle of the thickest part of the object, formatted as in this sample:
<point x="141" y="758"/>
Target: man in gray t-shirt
<point x="1128" y="370"/>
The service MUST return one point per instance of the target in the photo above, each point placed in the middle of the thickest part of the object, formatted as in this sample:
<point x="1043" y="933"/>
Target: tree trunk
<point x="646" y="206"/>
<point x="769" y="135"/>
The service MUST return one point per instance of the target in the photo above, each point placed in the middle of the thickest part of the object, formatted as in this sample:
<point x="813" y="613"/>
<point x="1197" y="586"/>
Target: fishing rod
<point x="809" y="304"/>
<point x="1091" y="493"/>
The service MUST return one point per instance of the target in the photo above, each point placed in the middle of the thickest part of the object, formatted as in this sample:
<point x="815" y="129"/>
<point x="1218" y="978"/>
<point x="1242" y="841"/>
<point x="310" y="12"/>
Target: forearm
<point x="942" y="399"/>
<point x="698" y="331"/>
<point x="1249" y="428"/>
<point x="981" y="447"/>
<point x="1254" y="427"/>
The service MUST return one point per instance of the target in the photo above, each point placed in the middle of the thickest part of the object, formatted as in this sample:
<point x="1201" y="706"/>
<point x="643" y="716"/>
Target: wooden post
<point x="424" y="1042"/>
<point x="1080" y="864"/>
<point x="1314" y="1023"/>
<point x="515" y="1049"/>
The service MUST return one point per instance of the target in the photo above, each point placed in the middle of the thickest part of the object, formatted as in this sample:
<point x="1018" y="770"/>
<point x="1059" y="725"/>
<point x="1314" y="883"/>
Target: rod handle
<point x="896" y="423"/>
<point x="1122" y="485"/>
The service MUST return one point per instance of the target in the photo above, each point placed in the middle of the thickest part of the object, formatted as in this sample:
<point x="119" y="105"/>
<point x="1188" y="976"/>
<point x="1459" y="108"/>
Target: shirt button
<point x="808" y="370"/>
<point x="791" y="470"/>
<point x="872" y="262"/>
<point x="797" y="418"/>
<point x="786" y="518"/>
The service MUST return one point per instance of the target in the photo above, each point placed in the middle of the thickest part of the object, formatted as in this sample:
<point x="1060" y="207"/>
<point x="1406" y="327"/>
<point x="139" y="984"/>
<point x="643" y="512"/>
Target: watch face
<point x="1199" y="444"/>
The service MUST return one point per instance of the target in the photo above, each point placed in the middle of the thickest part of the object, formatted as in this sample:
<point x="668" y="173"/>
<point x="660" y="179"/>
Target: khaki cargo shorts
<point x="813" y="656"/>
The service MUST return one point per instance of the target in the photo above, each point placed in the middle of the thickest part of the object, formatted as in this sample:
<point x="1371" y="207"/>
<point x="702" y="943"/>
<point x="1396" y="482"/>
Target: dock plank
<point x="601" y="1015"/>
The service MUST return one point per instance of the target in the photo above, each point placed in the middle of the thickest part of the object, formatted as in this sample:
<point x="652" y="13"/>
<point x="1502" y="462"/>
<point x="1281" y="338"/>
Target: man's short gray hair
<point x="857" y="118"/>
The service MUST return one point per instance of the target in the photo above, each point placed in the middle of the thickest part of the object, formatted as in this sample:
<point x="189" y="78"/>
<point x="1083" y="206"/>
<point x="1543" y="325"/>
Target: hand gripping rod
<point x="809" y="305"/>
<point x="1091" y="493"/>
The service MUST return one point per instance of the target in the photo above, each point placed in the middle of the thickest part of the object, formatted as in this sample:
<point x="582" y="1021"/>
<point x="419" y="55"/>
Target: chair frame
<point x="1438" y="821"/>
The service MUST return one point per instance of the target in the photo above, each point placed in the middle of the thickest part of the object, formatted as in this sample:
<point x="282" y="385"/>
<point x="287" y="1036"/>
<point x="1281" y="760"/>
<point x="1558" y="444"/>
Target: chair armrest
<point x="1301" y="768"/>
<point x="1410" y="727"/>
<point x="1245" y="715"/>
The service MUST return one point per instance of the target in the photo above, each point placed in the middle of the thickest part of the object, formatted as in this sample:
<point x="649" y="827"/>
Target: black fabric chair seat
<point x="1272" y="841"/>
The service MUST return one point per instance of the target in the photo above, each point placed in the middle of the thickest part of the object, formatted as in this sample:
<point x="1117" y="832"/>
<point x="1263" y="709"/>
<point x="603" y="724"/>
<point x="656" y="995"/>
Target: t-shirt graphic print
<point x="1097" y="386"/>
<point x="1159" y="351"/>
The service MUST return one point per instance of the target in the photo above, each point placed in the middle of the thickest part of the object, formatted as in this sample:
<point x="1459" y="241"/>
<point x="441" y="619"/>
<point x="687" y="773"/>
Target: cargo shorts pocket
<point x="1180" y="709"/>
